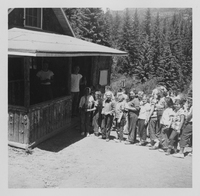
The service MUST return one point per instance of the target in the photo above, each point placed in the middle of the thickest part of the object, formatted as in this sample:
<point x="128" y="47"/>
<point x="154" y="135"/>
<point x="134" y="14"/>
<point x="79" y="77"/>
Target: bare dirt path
<point x="70" y="161"/>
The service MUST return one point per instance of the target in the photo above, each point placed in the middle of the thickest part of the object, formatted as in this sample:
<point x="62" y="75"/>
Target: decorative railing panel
<point x="26" y="126"/>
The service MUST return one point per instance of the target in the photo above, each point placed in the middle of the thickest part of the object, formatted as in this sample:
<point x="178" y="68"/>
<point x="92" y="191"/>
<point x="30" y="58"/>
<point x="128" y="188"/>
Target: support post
<point x="27" y="63"/>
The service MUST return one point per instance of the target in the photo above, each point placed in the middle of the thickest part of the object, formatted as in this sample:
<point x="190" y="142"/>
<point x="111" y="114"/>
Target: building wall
<point x="50" y="21"/>
<point x="39" y="122"/>
<point x="100" y="63"/>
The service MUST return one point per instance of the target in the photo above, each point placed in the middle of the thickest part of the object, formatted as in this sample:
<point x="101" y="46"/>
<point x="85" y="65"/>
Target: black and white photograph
<point x="100" y="97"/>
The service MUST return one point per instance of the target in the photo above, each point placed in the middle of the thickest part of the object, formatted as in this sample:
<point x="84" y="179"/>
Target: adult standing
<point x="45" y="77"/>
<point x="75" y="89"/>
<point x="133" y="107"/>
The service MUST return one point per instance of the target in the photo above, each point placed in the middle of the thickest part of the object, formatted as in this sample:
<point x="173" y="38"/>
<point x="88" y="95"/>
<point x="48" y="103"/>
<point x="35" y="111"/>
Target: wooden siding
<point x="18" y="125"/>
<point x="63" y="21"/>
<point x="49" y="117"/>
<point x="16" y="18"/>
<point x="28" y="127"/>
<point x="53" y="21"/>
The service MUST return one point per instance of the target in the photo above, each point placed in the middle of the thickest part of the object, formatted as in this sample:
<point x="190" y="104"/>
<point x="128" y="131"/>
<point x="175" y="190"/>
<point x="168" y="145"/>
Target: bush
<point x="147" y="87"/>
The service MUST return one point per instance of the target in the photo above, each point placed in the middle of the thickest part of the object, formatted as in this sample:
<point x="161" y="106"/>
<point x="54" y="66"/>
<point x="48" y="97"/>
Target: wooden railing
<point x="27" y="126"/>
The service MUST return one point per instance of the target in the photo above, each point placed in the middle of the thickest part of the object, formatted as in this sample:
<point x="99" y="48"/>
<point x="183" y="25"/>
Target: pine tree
<point x="126" y="32"/>
<point x="116" y="31"/>
<point x="94" y="25"/>
<point x="147" y="24"/>
<point x="177" y="44"/>
<point x="107" y="28"/>
<point x="144" y="68"/>
<point x="135" y="43"/>
<point x="125" y="45"/>
<point x="156" y="43"/>
<point x="77" y="20"/>
<point x="169" y="68"/>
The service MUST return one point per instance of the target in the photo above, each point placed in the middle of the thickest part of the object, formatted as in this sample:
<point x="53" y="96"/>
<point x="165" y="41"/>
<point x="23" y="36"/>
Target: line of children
<point x="163" y="118"/>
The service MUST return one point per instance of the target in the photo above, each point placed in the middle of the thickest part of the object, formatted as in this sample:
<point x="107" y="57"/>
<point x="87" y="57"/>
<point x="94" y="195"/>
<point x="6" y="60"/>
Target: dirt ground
<point x="69" y="160"/>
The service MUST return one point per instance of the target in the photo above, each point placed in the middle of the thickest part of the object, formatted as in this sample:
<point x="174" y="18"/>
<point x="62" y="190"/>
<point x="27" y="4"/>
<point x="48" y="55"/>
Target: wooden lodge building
<point x="36" y="35"/>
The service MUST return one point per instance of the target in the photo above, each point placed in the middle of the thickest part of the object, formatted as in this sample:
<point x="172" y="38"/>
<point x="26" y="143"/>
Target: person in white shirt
<point x="75" y="89"/>
<point x="45" y="77"/>
<point x="145" y="108"/>
<point x="165" y="124"/>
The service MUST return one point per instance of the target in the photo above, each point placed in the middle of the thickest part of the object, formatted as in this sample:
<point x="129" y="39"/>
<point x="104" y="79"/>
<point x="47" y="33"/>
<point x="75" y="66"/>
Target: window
<point x="33" y="17"/>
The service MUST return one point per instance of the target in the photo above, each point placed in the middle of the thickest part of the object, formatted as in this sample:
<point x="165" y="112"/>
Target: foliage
<point x="158" y="43"/>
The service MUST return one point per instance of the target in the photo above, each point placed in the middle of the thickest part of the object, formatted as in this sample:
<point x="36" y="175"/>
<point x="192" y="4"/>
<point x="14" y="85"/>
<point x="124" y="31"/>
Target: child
<point x="161" y="107"/>
<point x="97" y="109"/>
<point x="142" y="120"/>
<point x="187" y="132"/>
<point x="107" y="116"/>
<point x="120" y="117"/>
<point x="85" y="105"/>
<point x="165" y="124"/>
<point x="177" y="123"/>
<point x="108" y="91"/>
<point x="153" y="121"/>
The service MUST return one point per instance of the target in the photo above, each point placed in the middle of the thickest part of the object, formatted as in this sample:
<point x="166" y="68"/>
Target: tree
<point x="77" y="20"/>
<point x="147" y="24"/>
<point x="125" y="45"/>
<point x="116" y="31"/>
<point x="144" y="67"/>
<point x="107" y="28"/>
<point x="135" y="43"/>
<point x="156" y="45"/>
<point x="169" y="69"/>
<point x="126" y="32"/>
<point x="94" y="25"/>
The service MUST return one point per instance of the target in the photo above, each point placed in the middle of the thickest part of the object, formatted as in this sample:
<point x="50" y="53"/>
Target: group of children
<point x="159" y="120"/>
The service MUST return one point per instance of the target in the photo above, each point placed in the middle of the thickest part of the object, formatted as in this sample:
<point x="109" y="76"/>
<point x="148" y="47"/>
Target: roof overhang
<point x="22" y="42"/>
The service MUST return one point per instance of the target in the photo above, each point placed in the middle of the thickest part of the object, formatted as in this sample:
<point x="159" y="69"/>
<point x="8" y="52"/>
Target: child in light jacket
<point x="165" y="124"/>
<point x="86" y="103"/>
<point x="176" y="125"/>
<point x="142" y="120"/>
<point x="120" y="118"/>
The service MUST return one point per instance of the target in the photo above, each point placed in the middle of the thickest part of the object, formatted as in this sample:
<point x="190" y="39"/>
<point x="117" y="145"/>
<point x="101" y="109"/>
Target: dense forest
<point x="158" y="42"/>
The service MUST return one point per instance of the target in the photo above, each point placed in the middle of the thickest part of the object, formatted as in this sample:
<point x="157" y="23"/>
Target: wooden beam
<point x="69" y="73"/>
<point x="18" y="145"/>
<point x="27" y="62"/>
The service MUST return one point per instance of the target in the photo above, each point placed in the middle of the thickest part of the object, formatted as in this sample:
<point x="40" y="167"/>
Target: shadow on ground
<point x="63" y="139"/>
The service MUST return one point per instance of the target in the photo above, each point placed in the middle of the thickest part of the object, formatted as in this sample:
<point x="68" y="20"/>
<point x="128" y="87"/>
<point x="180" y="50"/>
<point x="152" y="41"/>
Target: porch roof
<point x="22" y="42"/>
